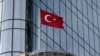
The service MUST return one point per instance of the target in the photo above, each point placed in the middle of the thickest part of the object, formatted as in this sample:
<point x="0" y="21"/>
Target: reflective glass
<point x="84" y="8"/>
<point x="79" y="5"/>
<point x="19" y="40"/>
<point x="91" y="38"/>
<point x="43" y="45"/>
<point x="81" y="51"/>
<point x="6" y="40"/>
<point x="98" y="3"/>
<point x="6" y="54"/>
<point x="80" y="22"/>
<point x="75" y="45"/>
<point x="19" y="24"/>
<point x="92" y="52"/>
<point x="20" y="9"/>
<point x="96" y="44"/>
<point x="74" y="22"/>
<point x="63" y="39"/>
<point x="7" y="9"/>
<point x="0" y="10"/>
<point x="86" y="34"/>
<point x="80" y="28"/>
<point x="99" y="21"/>
<point x="86" y="53"/>
<point x="90" y="13"/>
<point x="69" y="43"/>
<point x="96" y="19"/>
<point x="6" y="24"/>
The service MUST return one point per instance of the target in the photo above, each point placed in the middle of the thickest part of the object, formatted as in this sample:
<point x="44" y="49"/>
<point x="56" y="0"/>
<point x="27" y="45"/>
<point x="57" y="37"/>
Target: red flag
<point x="52" y="20"/>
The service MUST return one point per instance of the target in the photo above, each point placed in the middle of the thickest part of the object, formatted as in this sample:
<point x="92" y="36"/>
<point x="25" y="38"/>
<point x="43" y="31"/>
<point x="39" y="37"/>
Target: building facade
<point x="19" y="27"/>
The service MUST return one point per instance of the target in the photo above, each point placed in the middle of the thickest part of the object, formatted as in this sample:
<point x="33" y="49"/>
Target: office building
<point x="19" y="21"/>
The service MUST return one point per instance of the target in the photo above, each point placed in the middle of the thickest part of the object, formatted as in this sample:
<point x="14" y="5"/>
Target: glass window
<point x="6" y="24"/>
<point x="91" y="38"/>
<point x="68" y="2"/>
<point x="98" y="3"/>
<point x="56" y="6"/>
<point x="56" y="46"/>
<point x="81" y="51"/>
<point x="19" y="40"/>
<point x="62" y="11"/>
<point x="63" y="39"/>
<point x="8" y="10"/>
<point x="50" y="43"/>
<point x="6" y="40"/>
<point x="50" y="4"/>
<point x="86" y="46"/>
<point x="87" y="54"/>
<point x="34" y="42"/>
<point x="74" y="22"/>
<point x="74" y="9"/>
<point x="84" y="7"/>
<point x="86" y="34"/>
<point x="68" y="17"/>
<point x="92" y="52"/>
<point x="97" y="44"/>
<point x="81" y="41"/>
<point x="80" y="16"/>
<point x="94" y="7"/>
<point x="94" y="1"/>
<point x="43" y="36"/>
<point x="88" y="1"/>
<point x="50" y="33"/>
<point x="19" y="24"/>
<point x="69" y="30"/>
<point x="43" y="45"/>
<point x="0" y="10"/>
<point x="80" y="28"/>
<point x="69" y="43"/>
<point x="20" y="7"/>
<point x="90" y="13"/>
<point x="57" y="36"/>
<point x="74" y="2"/>
<point x="96" y="31"/>
<point x="99" y="22"/>
<point x="6" y="54"/>
<point x="75" y="36"/>
<point x="79" y="5"/>
<point x="95" y="20"/>
<point x="75" y="45"/>
<point x="90" y="26"/>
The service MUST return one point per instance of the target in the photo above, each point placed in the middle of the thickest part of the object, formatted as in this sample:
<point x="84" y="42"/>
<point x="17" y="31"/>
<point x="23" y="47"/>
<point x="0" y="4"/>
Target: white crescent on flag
<point x="46" y="18"/>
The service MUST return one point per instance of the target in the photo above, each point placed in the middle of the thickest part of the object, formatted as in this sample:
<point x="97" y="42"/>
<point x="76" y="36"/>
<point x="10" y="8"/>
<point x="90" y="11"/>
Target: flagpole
<point x="39" y="25"/>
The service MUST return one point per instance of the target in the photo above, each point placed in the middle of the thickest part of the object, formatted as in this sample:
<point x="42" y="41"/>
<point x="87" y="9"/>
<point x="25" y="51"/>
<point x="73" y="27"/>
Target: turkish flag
<point x="50" y="19"/>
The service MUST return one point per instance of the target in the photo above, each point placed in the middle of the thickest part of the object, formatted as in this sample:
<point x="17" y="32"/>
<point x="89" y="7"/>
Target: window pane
<point x="6" y="24"/>
<point x="0" y="10"/>
<point x="19" y="40"/>
<point x="8" y="9"/>
<point x="6" y="54"/>
<point x="6" y="40"/>
<point x="19" y="24"/>
<point x="20" y="7"/>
